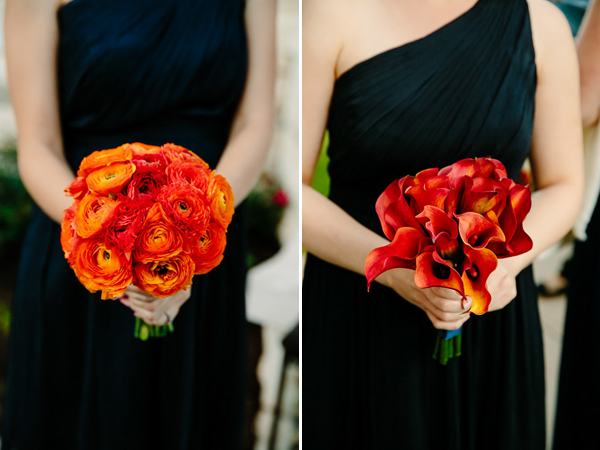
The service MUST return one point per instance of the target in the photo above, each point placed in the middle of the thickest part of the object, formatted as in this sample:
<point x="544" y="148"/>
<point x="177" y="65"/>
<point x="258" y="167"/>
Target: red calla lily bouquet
<point x="450" y="226"/>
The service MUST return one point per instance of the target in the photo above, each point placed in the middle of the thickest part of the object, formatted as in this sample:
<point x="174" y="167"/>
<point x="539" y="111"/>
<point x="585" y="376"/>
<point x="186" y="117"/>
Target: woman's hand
<point x="444" y="307"/>
<point x="154" y="310"/>
<point x="502" y="285"/>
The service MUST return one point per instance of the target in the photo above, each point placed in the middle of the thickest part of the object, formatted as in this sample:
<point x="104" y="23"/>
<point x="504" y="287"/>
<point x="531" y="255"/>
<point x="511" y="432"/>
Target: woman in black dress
<point x="90" y="75"/>
<point x="578" y="403"/>
<point x="403" y="86"/>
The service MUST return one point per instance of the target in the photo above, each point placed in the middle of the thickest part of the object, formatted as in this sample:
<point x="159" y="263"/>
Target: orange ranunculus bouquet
<point x="147" y="215"/>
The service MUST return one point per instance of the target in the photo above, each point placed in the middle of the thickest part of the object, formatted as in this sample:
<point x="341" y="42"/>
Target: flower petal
<point x="517" y="241"/>
<point x="458" y="170"/>
<point x="433" y="271"/>
<point x="443" y="231"/>
<point x="407" y="244"/>
<point x="482" y="195"/>
<point x="483" y="263"/>
<point x="427" y="173"/>
<point x="424" y="194"/>
<point x="393" y="210"/>
<point x="477" y="231"/>
<point x="437" y="221"/>
<point x="520" y="199"/>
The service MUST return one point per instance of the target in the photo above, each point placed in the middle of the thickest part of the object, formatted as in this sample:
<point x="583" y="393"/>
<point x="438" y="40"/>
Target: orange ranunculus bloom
<point x="110" y="178"/>
<point x="103" y="158"/>
<point x="178" y="153"/>
<point x="220" y="197"/>
<point x="159" y="239"/>
<point x="68" y="235"/>
<point x="92" y="213"/>
<point x="164" y="278"/>
<point x="207" y="252"/>
<point x="101" y="268"/>
<point x="187" y="206"/>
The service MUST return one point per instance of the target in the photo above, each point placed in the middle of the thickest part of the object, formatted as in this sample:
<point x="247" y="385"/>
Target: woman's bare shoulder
<point x="548" y="21"/>
<point x="550" y="30"/>
<point x="323" y="25"/>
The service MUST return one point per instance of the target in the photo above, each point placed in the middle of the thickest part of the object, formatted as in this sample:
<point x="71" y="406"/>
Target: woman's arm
<point x="588" y="50"/>
<point x="31" y="36"/>
<point x="328" y="231"/>
<point x="557" y="148"/>
<point x="246" y="151"/>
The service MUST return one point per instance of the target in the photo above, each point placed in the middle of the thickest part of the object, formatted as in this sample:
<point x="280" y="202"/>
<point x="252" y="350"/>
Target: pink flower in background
<point x="280" y="198"/>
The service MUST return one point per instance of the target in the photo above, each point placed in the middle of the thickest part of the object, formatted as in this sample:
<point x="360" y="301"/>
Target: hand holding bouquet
<point x="451" y="226"/>
<point x="147" y="215"/>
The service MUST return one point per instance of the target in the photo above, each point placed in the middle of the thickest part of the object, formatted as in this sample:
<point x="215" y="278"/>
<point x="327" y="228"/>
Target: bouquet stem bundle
<point x="144" y="331"/>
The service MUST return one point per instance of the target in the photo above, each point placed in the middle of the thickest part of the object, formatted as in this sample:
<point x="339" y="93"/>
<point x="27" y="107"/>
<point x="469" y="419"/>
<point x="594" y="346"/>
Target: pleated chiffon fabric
<point x="369" y="380"/>
<point x="153" y="72"/>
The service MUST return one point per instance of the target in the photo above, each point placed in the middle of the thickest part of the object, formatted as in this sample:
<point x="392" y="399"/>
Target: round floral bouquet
<point x="450" y="226"/>
<point x="145" y="215"/>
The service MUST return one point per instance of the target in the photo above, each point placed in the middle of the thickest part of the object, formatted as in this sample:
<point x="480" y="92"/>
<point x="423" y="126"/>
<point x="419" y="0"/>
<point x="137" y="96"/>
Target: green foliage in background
<point x="4" y="318"/>
<point x="15" y="203"/>
<point x="321" y="177"/>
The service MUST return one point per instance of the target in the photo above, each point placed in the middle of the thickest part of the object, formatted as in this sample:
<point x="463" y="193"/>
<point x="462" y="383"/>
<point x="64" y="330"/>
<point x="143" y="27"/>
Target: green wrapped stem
<point x="445" y="349"/>
<point x="143" y="331"/>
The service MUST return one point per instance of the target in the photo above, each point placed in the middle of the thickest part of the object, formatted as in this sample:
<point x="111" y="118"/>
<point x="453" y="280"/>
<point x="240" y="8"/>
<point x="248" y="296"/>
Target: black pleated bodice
<point x="465" y="90"/>
<point x="142" y="70"/>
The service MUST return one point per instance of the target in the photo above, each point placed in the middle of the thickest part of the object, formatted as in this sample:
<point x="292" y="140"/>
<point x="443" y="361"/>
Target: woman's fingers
<point x="445" y="304"/>
<point x="137" y="303"/>
<point x="446" y="293"/>
<point x="447" y="324"/>
<point x="152" y="310"/>
<point x="134" y="291"/>
<point x="153" y="313"/>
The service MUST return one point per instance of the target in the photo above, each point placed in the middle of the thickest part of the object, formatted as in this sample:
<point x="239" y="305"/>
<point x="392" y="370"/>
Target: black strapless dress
<point x="369" y="379"/>
<point x="155" y="72"/>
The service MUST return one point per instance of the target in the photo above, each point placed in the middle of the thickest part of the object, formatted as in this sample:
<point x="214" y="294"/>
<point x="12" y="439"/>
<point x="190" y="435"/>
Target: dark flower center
<point x="441" y="271"/>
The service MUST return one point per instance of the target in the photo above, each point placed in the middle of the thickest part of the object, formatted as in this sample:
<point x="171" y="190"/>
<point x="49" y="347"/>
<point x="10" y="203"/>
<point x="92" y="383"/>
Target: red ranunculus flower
<point x="129" y="220"/>
<point x="194" y="175"/>
<point x="177" y="153"/>
<point x="144" y="185"/>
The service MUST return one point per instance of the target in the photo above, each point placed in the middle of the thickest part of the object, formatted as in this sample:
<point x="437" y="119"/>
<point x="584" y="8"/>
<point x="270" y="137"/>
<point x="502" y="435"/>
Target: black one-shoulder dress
<point x="369" y="379"/>
<point x="152" y="71"/>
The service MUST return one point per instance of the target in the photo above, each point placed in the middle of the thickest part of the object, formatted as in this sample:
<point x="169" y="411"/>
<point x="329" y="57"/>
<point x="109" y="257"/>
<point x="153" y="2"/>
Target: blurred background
<point x="274" y="241"/>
